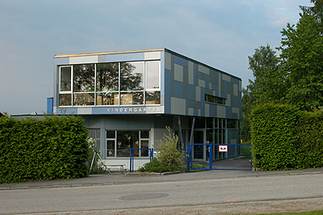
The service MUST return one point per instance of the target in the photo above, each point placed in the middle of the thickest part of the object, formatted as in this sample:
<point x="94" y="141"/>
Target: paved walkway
<point x="110" y="179"/>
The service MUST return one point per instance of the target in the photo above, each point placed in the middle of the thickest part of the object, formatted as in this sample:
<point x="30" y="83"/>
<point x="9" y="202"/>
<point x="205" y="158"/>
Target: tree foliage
<point x="268" y="80"/>
<point x="302" y="58"/>
<point x="296" y="75"/>
<point x="268" y="85"/>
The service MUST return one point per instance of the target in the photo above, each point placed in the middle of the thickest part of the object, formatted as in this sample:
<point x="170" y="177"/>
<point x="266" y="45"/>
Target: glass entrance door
<point x="199" y="150"/>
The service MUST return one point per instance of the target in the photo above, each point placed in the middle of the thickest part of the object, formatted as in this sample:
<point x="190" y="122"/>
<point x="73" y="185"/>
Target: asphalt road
<point x="161" y="194"/>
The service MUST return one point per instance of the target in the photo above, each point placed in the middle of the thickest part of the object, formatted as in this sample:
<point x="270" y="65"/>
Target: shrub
<point x="156" y="166"/>
<point x="284" y="137"/>
<point x="167" y="152"/>
<point x="169" y="158"/>
<point x="50" y="148"/>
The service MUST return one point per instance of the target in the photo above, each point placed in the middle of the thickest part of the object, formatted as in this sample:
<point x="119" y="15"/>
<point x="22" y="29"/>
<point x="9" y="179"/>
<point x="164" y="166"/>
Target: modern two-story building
<point x="127" y="99"/>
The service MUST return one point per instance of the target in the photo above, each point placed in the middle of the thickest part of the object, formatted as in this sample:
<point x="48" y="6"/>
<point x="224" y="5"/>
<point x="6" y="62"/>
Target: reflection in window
<point x="65" y="83"/>
<point x="131" y="76"/>
<point x="152" y="97"/>
<point x="152" y="74"/>
<point x="65" y="100"/>
<point x="83" y="98"/>
<point x="209" y="122"/>
<point x="144" y="145"/>
<point x="125" y="140"/>
<point x="214" y="99"/>
<point x="120" y="142"/>
<point x="107" y="98"/>
<point x="110" y="148"/>
<point x="107" y="77"/>
<point x="144" y="134"/>
<point x="126" y="99"/>
<point x="110" y="84"/>
<point x="83" y="78"/>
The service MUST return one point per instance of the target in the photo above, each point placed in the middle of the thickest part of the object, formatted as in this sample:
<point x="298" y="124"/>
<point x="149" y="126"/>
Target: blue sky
<point x="220" y="33"/>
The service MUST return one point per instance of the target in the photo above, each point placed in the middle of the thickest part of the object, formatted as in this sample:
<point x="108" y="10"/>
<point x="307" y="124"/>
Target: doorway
<point x="199" y="151"/>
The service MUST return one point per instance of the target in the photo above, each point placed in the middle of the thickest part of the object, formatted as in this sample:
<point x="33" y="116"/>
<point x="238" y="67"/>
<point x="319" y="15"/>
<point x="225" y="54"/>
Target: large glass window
<point x="83" y="80"/>
<point x="152" y="74"/>
<point x="65" y="86"/>
<point x="120" y="142"/>
<point x="83" y="99"/>
<point x="152" y="97"/>
<point x="65" y="100"/>
<point x="119" y="83"/>
<point x="131" y="76"/>
<point x="127" y="139"/>
<point x="65" y="76"/>
<point x="107" y="98"/>
<point x="107" y="77"/>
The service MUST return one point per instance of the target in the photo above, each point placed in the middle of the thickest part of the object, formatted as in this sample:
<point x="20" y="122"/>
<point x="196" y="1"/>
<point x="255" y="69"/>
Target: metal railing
<point x="132" y="156"/>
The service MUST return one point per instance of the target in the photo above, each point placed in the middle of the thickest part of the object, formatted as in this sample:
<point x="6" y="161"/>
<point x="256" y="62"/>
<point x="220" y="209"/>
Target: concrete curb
<point x="150" y="173"/>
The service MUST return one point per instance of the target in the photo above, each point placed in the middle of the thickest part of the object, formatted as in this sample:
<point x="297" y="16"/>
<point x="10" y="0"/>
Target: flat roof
<point x="111" y="52"/>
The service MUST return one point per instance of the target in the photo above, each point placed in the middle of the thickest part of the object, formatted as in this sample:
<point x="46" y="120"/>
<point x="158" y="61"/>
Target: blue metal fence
<point x="132" y="156"/>
<point x="227" y="156"/>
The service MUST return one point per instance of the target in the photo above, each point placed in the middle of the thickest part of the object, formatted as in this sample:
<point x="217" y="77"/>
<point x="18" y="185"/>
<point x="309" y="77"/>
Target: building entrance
<point x="199" y="151"/>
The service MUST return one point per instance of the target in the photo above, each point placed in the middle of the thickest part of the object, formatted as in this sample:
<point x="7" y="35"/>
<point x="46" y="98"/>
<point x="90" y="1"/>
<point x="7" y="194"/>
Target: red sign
<point x="223" y="148"/>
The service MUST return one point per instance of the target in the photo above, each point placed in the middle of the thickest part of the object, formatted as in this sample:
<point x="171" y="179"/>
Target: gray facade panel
<point x="214" y="77"/>
<point x="209" y="91"/>
<point x="194" y="104"/>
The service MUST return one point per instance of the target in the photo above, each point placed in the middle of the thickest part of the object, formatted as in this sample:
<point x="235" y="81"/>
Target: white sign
<point x="223" y="148"/>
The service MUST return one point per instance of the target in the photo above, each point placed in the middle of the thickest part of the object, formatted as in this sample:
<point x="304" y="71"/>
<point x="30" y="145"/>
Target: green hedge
<point x="283" y="137"/>
<point x="50" y="148"/>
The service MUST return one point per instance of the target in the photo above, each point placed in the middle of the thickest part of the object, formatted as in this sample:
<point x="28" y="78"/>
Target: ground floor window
<point x="120" y="142"/>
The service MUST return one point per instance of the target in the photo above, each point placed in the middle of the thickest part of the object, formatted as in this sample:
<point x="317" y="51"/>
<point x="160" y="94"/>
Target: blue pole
<point x="188" y="157"/>
<point x="250" y="157"/>
<point x="131" y="150"/>
<point x="210" y="157"/>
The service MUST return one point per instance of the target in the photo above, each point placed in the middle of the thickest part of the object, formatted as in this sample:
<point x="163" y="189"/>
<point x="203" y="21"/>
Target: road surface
<point x="165" y="196"/>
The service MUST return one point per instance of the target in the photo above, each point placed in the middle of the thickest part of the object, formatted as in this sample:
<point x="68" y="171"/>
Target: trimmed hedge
<point x="284" y="137"/>
<point x="50" y="148"/>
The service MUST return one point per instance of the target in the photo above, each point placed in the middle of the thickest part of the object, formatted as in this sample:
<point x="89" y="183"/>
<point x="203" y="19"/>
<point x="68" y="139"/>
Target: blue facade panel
<point x="195" y="112"/>
<point x="216" y="89"/>
<point x="178" y="89"/>
<point x="180" y="61"/>
<point x="207" y="81"/>
<point x="202" y="102"/>
<point x="225" y="87"/>
<point x="229" y="112"/>
<point x="168" y="91"/>
<point x="212" y="110"/>
<point x="50" y="105"/>
<point x="234" y="80"/>
<point x="235" y="101"/>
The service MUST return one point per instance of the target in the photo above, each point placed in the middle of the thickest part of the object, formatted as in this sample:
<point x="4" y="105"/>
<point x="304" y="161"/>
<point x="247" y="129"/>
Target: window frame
<point x="138" y="93"/>
<point x="115" y="139"/>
